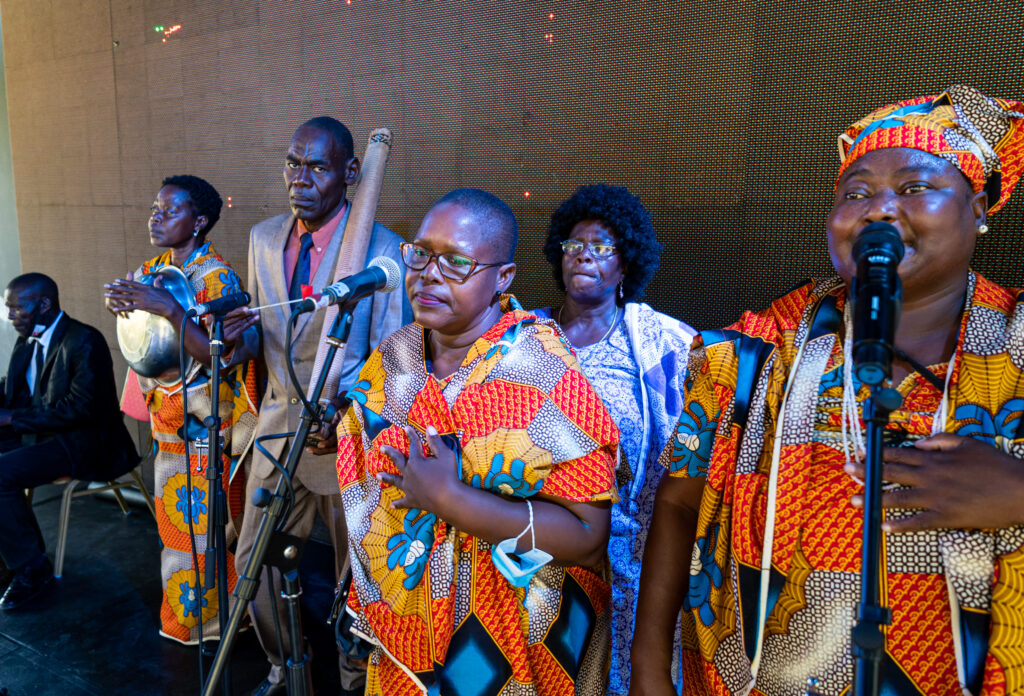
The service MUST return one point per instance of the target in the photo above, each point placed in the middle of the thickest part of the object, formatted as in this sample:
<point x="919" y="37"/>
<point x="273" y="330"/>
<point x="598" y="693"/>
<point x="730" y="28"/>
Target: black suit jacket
<point x="76" y="402"/>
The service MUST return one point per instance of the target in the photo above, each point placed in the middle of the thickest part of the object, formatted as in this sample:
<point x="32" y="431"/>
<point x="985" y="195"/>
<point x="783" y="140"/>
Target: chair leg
<point x="145" y="491"/>
<point x="115" y="488"/>
<point x="65" y="519"/>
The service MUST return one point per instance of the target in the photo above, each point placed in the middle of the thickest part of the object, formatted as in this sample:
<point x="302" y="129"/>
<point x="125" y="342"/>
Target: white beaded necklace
<point x="851" y="421"/>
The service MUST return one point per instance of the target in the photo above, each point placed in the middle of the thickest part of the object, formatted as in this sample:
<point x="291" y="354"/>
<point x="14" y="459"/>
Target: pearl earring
<point x="982" y="228"/>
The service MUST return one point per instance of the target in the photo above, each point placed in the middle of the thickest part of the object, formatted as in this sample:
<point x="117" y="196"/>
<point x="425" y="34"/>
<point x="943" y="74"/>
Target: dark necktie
<point x="37" y="358"/>
<point x="301" y="275"/>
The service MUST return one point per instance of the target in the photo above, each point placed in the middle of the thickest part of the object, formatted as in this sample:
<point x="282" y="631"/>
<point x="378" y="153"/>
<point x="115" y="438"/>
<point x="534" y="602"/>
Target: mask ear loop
<point x="533" y="534"/>
<point x="528" y="528"/>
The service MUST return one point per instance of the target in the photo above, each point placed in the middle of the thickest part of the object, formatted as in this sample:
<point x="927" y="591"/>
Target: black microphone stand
<point x="289" y="550"/>
<point x="216" y="554"/>
<point x="877" y="305"/>
<point x="868" y="639"/>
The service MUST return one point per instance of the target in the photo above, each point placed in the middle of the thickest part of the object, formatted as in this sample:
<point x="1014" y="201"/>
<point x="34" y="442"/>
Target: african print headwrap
<point x="981" y="136"/>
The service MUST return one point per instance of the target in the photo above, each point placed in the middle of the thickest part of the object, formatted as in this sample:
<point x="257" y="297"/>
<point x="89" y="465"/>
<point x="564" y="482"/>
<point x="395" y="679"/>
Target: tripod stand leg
<point x="298" y="675"/>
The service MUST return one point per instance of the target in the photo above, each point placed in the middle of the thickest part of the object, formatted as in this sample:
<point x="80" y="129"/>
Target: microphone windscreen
<point x="391" y="271"/>
<point x="879" y="237"/>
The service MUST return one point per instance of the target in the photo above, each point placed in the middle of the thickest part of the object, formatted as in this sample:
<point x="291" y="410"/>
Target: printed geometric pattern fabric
<point x="185" y="601"/>
<point x="523" y="420"/>
<point x="981" y="136"/>
<point x="939" y="599"/>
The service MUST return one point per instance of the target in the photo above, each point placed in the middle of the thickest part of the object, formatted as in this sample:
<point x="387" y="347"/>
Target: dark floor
<point x="96" y="631"/>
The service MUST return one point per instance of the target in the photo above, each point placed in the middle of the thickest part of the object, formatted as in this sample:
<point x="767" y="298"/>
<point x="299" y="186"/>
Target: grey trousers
<point x="299" y="524"/>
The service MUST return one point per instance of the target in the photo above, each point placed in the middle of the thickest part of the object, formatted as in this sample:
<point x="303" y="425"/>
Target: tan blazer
<point x="374" y="318"/>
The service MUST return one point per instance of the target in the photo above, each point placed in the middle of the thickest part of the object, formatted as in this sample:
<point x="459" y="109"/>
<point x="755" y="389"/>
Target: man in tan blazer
<point x="319" y="167"/>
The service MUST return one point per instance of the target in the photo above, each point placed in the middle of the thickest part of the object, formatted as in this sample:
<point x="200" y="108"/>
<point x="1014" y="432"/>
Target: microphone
<point x="877" y="300"/>
<point x="382" y="274"/>
<point x="222" y="305"/>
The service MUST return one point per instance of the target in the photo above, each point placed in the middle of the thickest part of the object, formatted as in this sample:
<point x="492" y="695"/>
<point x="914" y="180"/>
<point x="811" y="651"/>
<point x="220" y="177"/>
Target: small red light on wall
<point x="526" y="194"/>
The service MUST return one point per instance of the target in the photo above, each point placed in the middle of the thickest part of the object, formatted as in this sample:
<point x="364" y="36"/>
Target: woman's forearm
<point x="575" y="535"/>
<point x="665" y="575"/>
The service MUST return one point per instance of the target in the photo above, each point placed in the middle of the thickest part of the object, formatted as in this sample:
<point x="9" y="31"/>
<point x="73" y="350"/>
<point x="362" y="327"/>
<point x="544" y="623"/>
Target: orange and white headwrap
<point x="981" y="136"/>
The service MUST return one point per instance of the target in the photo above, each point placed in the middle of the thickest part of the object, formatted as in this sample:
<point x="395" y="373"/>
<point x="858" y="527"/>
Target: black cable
<point x="290" y="493"/>
<point x="922" y="370"/>
<point x="289" y="361"/>
<point x="188" y="487"/>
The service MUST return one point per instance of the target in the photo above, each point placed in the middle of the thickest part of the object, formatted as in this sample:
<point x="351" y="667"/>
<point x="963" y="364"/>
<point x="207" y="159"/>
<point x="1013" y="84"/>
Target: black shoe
<point x="27" y="584"/>
<point x="266" y="688"/>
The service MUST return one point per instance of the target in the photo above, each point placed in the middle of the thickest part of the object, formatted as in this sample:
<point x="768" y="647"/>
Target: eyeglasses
<point x="452" y="266"/>
<point x="572" y="247"/>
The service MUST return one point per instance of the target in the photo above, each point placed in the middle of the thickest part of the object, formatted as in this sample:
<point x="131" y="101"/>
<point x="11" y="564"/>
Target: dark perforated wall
<point x="722" y="115"/>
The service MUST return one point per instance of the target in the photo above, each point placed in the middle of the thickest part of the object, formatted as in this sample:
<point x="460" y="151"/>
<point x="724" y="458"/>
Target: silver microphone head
<point x="391" y="270"/>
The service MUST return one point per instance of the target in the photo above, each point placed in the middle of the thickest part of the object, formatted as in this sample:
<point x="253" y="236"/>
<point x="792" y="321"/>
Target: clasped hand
<point x="427" y="480"/>
<point x="125" y="295"/>
<point x="956" y="482"/>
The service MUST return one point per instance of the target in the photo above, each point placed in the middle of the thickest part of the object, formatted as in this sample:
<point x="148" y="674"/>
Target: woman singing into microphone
<point x="757" y="528"/>
<point x="185" y="210"/>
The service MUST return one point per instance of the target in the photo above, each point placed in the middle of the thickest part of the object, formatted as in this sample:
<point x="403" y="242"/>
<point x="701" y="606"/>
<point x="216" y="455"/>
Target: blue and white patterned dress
<point x="638" y="371"/>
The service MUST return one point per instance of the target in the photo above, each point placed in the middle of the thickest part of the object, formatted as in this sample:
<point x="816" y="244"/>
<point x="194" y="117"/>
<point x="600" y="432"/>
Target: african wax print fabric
<point x="638" y="372"/>
<point x="523" y="420"/>
<point x="981" y="136"/>
<point x="957" y="596"/>
<point x="183" y="601"/>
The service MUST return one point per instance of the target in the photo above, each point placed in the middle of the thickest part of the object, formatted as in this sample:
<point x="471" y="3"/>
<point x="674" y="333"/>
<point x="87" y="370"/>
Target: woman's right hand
<point x="130" y="295"/>
<point x="650" y="682"/>
<point x="114" y="305"/>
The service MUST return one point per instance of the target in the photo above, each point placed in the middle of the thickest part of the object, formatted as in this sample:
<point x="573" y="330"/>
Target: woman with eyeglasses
<point x="603" y="250"/>
<point x="476" y="468"/>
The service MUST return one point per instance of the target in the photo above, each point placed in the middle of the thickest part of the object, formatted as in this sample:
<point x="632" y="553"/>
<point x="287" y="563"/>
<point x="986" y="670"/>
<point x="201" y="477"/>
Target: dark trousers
<point x="24" y="467"/>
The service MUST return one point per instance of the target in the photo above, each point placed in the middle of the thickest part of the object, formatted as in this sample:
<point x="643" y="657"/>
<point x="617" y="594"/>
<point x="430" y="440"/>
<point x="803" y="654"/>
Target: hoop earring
<point x="982" y="228"/>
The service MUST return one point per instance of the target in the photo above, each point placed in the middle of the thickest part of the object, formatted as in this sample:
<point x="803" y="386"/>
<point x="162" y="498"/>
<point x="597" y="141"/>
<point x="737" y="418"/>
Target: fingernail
<point x="886" y="527"/>
<point x="849" y="467"/>
<point x="431" y="430"/>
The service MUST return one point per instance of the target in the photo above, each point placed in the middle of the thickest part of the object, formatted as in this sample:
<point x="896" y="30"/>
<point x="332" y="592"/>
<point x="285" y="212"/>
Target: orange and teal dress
<point x="523" y="420"/>
<point x="775" y="455"/>
<point x="183" y="601"/>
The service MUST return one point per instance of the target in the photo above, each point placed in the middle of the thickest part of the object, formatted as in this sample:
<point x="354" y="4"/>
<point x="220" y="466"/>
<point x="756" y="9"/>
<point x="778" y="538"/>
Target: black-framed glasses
<point x="457" y="267"/>
<point x="600" y="250"/>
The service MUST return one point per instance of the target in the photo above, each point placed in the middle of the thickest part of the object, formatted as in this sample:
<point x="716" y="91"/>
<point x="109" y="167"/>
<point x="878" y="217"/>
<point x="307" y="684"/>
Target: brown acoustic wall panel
<point x="722" y="115"/>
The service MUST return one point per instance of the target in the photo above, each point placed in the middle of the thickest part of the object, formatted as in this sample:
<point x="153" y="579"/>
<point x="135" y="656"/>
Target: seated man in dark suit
<point x="59" y="416"/>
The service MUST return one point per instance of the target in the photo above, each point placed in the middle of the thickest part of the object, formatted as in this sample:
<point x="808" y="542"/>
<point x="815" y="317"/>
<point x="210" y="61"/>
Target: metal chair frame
<point x="70" y="492"/>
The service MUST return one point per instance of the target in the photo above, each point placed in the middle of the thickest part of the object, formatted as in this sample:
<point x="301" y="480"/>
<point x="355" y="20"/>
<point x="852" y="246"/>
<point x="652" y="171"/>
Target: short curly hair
<point x="205" y="199"/>
<point x="620" y="210"/>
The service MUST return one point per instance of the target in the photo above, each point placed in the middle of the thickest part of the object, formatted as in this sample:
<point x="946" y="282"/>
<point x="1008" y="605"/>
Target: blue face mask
<point x="519" y="568"/>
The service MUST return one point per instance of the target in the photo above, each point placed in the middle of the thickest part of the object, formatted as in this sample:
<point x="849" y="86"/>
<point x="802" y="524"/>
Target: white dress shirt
<point x="43" y="339"/>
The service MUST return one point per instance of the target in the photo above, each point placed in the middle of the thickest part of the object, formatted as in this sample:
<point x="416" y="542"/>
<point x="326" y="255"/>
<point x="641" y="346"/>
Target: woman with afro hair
<point x="603" y="250"/>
